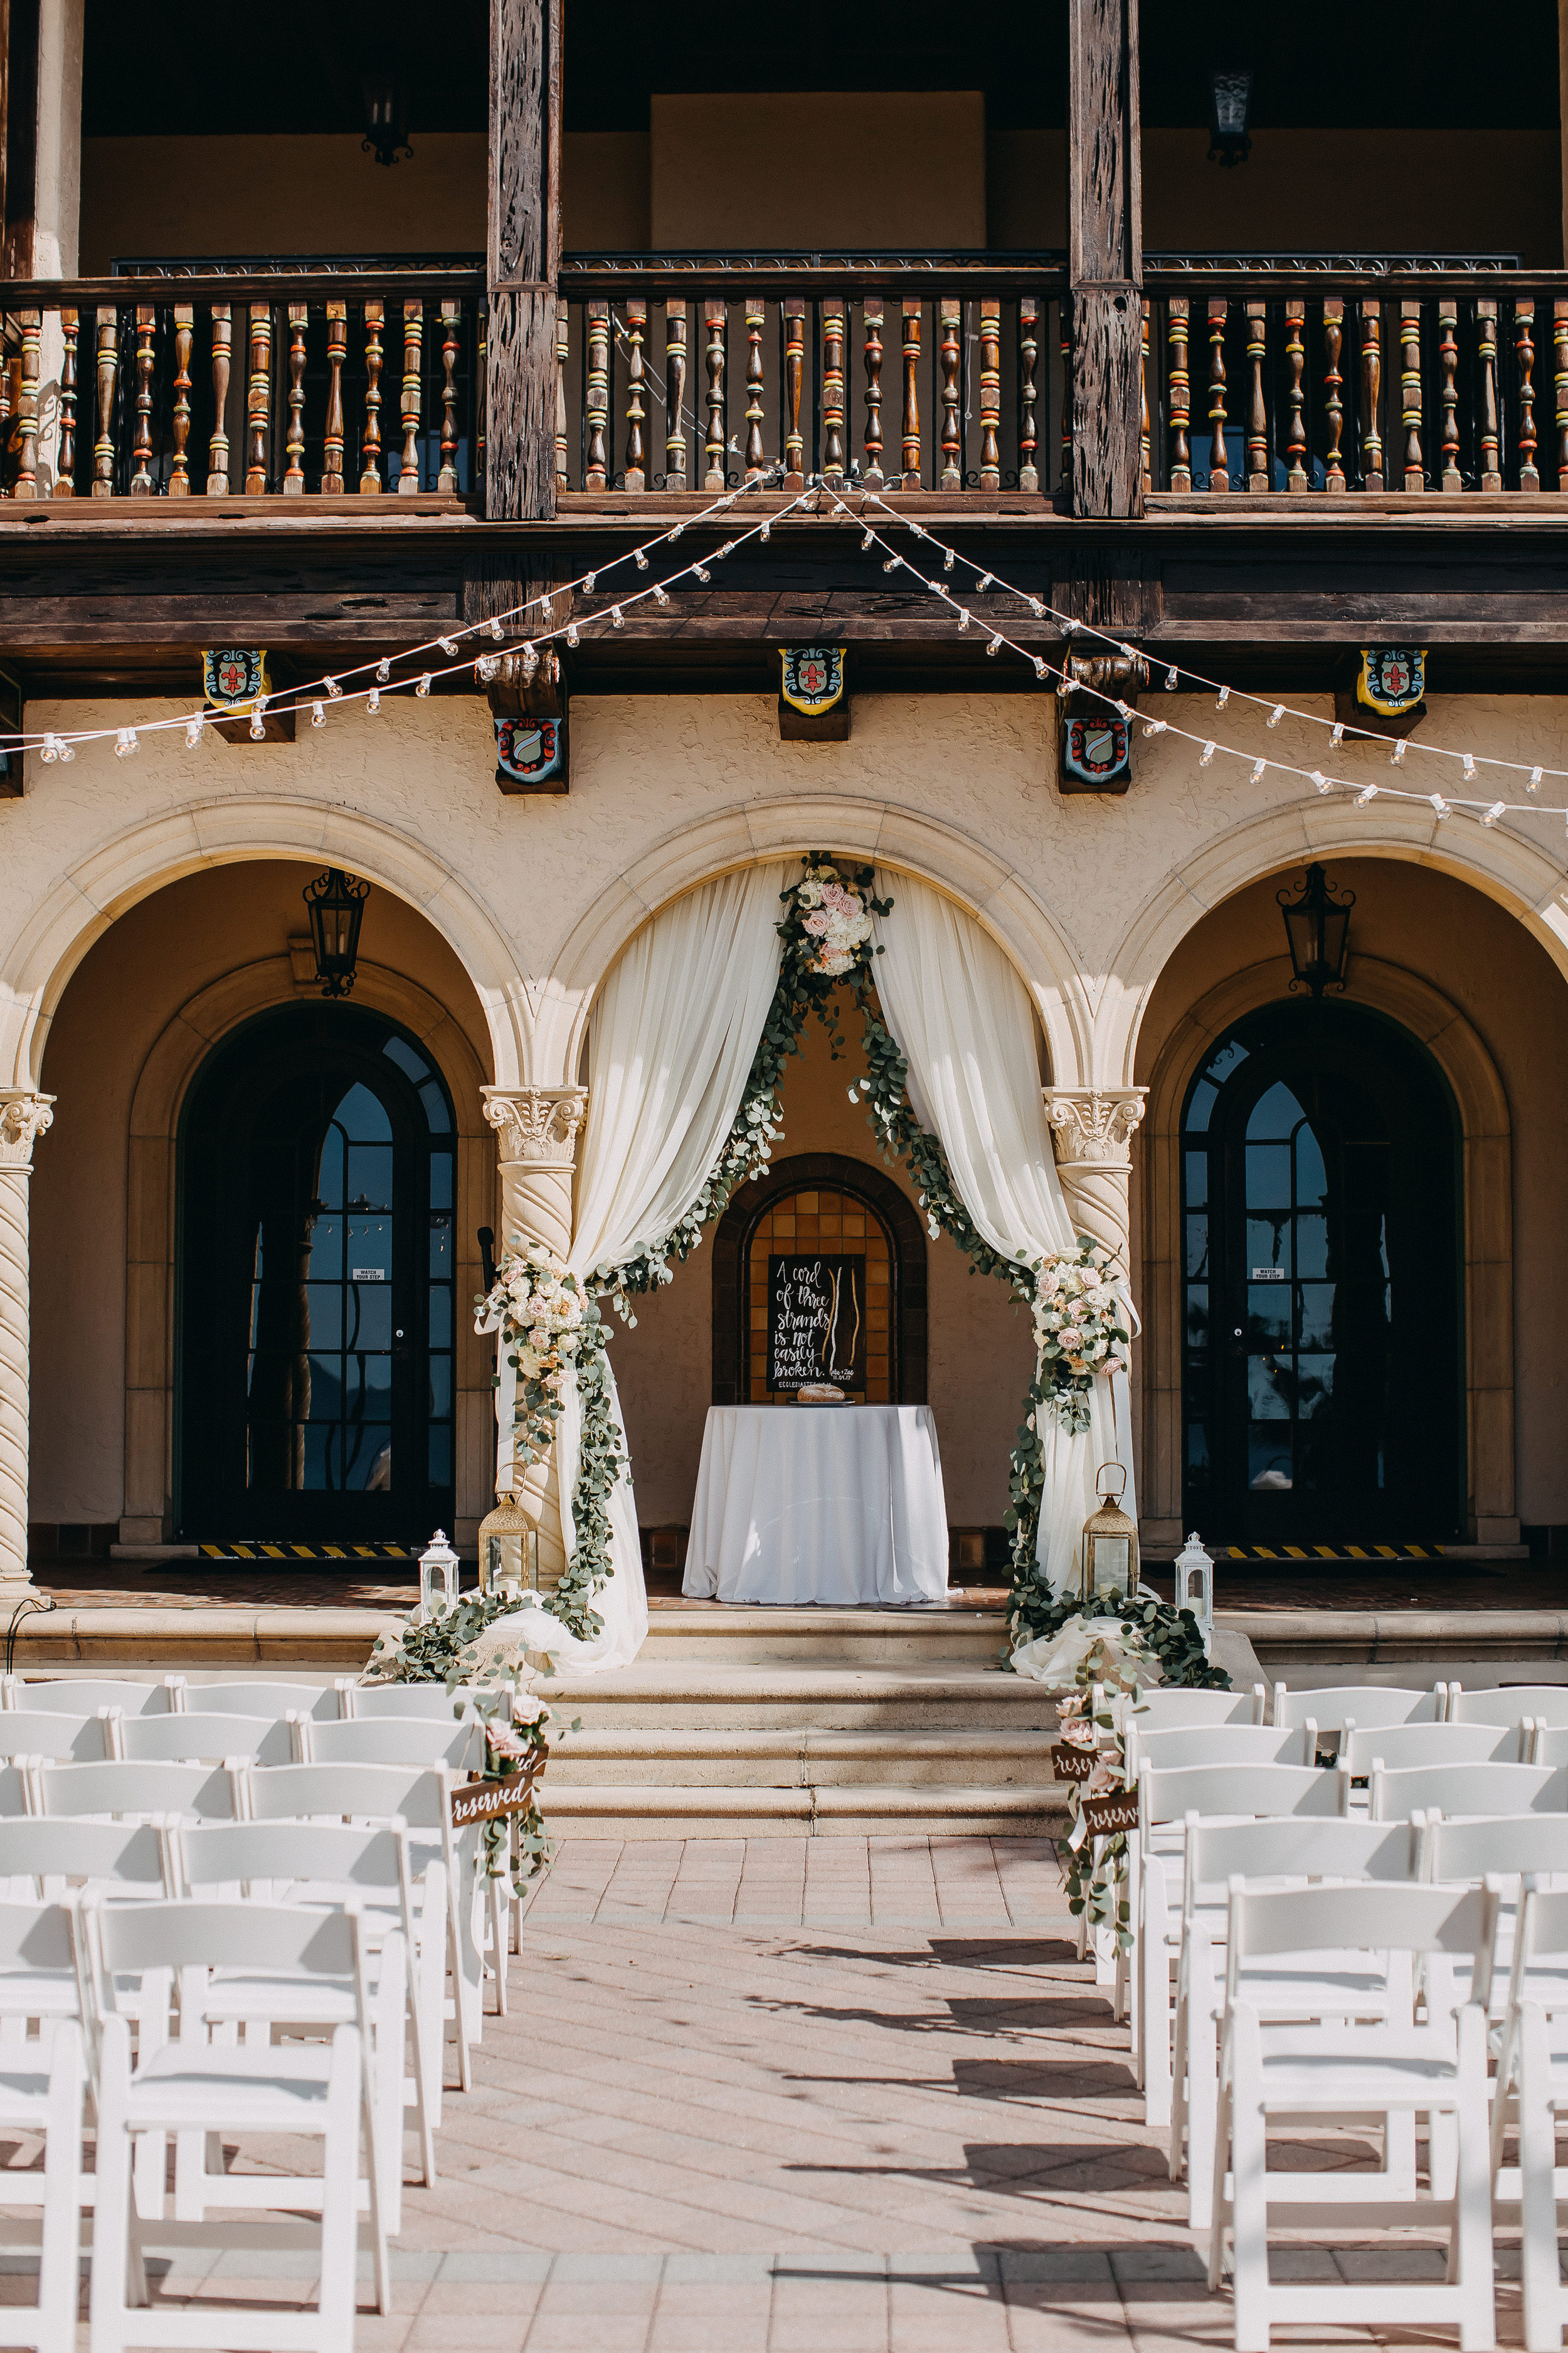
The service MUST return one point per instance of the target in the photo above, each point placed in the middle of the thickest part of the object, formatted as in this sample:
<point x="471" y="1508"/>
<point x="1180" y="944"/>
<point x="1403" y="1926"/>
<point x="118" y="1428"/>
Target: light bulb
<point x="588" y="583"/>
<point x="1205" y="755"/>
<point x="984" y="583"/>
<point x="766" y="530"/>
<point x="869" y="541"/>
<point x="372" y="702"/>
<point x="317" y="715"/>
<point x="49" y="751"/>
<point x="1367" y="793"/>
<point x="333" y="688"/>
<point x="1258" y="770"/>
<point x="1439" y="803"/>
<point x="640" y="559"/>
<point x="448" y="645"/>
<point x="1338" y="737"/>
<point x="423" y="689"/>
<point x="497" y="632"/>
<point x="125" y="743"/>
<point x="571" y="633"/>
<point x="1036" y="607"/>
<point x="1224" y="698"/>
<point x="193" y="733"/>
<point x="1397" y="758"/>
<point x="892" y="563"/>
<point x="67" y="751"/>
<point x="1275" y="716"/>
<point x="616" y="617"/>
<point x="964" y="617"/>
<point x="1321" y="781"/>
<point x="257" y="731"/>
<point x="947" y="561"/>
<point x="1469" y="769"/>
<point x="1171" y="679"/>
<point x="1153" y="727"/>
<point x="673" y="535"/>
<point x="1493" y="814"/>
<point x="660" y="597"/>
<point x="995" y="647"/>
<point x="546" y="607"/>
<point x="383" y="672"/>
<point x="1535" y="776"/>
<point x="1039" y="667"/>
<point x="486" y="666"/>
<point x="702" y="574"/>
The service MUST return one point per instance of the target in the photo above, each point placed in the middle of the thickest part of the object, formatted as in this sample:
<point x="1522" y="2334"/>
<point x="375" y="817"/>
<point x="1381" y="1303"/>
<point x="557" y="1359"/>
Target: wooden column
<point x="524" y="247"/>
<point x="1105" y="256"/>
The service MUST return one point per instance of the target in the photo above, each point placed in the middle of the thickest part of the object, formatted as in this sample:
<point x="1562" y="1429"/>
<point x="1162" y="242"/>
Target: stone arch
<point x="1467" y="1064"/>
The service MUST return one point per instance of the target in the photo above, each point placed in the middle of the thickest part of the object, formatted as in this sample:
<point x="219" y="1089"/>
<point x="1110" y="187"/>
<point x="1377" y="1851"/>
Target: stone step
<point x="947" y="1697"/>
<point x="801" y="1759"/>
<point x="632" y="1811"/>
<point x="732" y="1635"/>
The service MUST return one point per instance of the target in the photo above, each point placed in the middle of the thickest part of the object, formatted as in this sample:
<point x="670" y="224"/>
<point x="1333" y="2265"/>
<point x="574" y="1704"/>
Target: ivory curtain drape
<point x="964" y="1024"/>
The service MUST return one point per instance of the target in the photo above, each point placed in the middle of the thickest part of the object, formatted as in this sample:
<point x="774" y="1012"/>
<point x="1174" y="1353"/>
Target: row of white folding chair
<point x="1368" y="1704"/>
<point x="343" y="1698"/>
<point x="1359" y="1745"/>
<point x="1530" y="2093"/>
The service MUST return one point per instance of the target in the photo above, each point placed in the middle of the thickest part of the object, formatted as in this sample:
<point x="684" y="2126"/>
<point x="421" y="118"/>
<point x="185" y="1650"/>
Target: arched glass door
<point x="316" y="1315"/>
<point x="1322" y="1363"/>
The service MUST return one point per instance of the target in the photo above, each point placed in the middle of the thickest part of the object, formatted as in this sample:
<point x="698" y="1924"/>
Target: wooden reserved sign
<point x="1116" y="1810"/>
<point x="484" y="1801"/>
<point x="1070" y="1763"/>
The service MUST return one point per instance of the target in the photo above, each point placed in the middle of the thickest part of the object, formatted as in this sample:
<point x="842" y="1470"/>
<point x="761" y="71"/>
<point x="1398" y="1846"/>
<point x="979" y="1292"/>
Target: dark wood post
<point x="524" y="252"/>
<point x="1105" y="257"/>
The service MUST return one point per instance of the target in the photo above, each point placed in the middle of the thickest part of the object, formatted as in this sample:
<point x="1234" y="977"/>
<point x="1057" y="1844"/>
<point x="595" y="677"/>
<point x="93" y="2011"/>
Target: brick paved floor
<point x="782" y="2095"/>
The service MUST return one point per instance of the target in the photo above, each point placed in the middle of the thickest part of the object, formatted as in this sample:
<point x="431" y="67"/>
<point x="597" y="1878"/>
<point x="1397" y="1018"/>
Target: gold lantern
<point x="1110" y="1540"/>
<point x="509" y="1550"/>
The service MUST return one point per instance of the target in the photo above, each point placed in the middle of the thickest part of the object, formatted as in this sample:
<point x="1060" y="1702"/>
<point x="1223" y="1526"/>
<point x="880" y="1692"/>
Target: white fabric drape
<point x="671" y="1040"/>
<point x="964" y="1022"/>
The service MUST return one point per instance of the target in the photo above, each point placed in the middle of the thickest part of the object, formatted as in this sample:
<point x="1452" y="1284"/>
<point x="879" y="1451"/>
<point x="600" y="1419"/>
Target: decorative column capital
<point x="1092" y="1124"/>
<point x="23" y="1116"/>
<point x="536" y="1127"/>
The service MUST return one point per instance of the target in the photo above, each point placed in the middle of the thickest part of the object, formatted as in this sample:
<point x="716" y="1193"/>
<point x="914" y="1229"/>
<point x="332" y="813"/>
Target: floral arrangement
<point x="540" y="1310"/>
<point x="1078" y="1330"/>
<point x="834" y="918"/>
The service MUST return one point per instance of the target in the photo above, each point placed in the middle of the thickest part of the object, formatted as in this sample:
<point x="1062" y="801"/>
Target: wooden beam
<point x="524" y="258"/>
<point x="1105" y="256"/>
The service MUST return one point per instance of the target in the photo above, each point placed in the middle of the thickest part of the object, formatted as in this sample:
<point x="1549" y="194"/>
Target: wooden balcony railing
<point x="244" y="383"/>
<point x="693" y="375"/>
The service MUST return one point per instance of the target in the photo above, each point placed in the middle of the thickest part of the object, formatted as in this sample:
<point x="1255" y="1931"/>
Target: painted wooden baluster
<point x="108" y="376"/>
<point x="142" y="484"/>
<point x="481" y="396"/>
<point x="1486" y="357"/>
<point x="1371" y="396"/>
<point x="991" y="394"/>
<point x="1524" y="348"/>
<point x="675" y="363"/>
<point x="370" y="480"/>
<point x="563" y="354"/>
<point x="294" y="446"/>
<point x="1065" y="453"/>
<point x="596" y="395"/>
<point x="1449" y="393"/>
<point x="1411" y="410"/>
<point x="179" y="485"/>
<point x="9" y="374"/>
<point x="1560" y="358"/>
<point x="258" y="401"/>
<point x="1179" y="392"/>
<point x="637" y="381"/>
<point x="1333" y="393"/>
<point x="833" y="339"/>
<point x="911" y="432"/>
<point x="452" y="346"/>
<point x="756" y="319"/>
<point x="222" y="355"/>
<point x="65" y="463"/>
<point x="1145" y="448"/>
<point x="412" y="405"/>
<point x="1257" y="473"/>
<point x="871" y="318"/>
<point x="1296" y="477"/>
<point x="1028" y="398"/>
<point x="1218" y="455"/>
<point x="31" y="324"/>
<point x="952" y="318"/>
<point x="334" y="436"/>
<point x="716" y="317"/>
<point x="793" y="390"/>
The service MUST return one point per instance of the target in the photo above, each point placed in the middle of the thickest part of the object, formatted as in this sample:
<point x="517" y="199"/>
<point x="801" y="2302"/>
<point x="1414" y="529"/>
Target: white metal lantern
<point x="437" y="1566"/>
<point x="1109" y="1539"/>
<point x="1195" y="1584"/>
<point x="509" y="1550"/>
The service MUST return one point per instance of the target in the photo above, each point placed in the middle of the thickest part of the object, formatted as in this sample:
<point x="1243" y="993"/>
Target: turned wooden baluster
<point x="65" y="463"/>
<point x="451" y="345"/>
<point x="1179" y="392"/>
<point x="1371" y="396"/>
<point x="991" y="394"/>
<point x="1258" y="474"/>
<point x="756" y="319"/>
<point x="596" y="395"/>
<point x="1560" y="356"/>
<point x="675" y="358"/>
<point x="370" y="480"/>
<point x="563" y="354"/>
<point x="1486" y="357"/>
<point x="217" y="448"/>
<point x="1449" y="393"/>
<point x="911" y="432"/>
<point x="31" y="326"/>
<point x="294" y="444"/>
<point x="412" y="406"/>
<point x="1333" y="394"/>
<point x="1065" y="453"/>
<point x="1524" y="348"/>
<point x="332" y="438"/>
<point x="636" y="380"/>
<point x="871" y="317"/>
<point x="258" y="401"/>
<point x="793" y="390"/>
<point x="180" y="418"/>
<point x="1410" y="412"/>
<point x="481" y="396"/>
<point x="1145" y="449"/>
<point x="952" y="319"/>
<point x="833" y="387"/>
<point x="108" y="375"/>
<point x="142" y="484"/>
<point x="717" y="320"/>
<point x="1296" y="477"/>
<point x="1219" y="455"/>
<point x="1028" y="398"/>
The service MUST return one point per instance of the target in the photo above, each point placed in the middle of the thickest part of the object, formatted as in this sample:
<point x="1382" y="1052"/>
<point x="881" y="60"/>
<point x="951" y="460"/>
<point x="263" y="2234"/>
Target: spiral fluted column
<point x="537" y="1130"/>
<point x="23" y="1116"/>
<point x="1091" y="1128"/>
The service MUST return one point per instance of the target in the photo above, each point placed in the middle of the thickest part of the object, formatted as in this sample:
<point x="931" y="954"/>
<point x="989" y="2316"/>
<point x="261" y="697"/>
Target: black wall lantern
<point x="1317" y="928"/>
<point x="1230" y="102"/>
<point x="335" y="904"/>
<point x="386" y="118"/>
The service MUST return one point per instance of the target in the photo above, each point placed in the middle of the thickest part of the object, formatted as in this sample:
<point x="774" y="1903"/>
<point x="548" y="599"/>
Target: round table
<point x="840" y="1504"/>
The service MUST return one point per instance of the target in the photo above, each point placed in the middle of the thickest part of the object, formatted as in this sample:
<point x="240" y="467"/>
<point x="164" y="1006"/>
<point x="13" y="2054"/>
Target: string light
<point x="703" y="575"/>
<point x="372" y="702"/>
<point x="869" y="541"/>
<point x="257" y="731"/>
<point x="1205" y="755"/>
<point x="333" y="688"/>
<point x="1275" y="716"/>
<point x="1171" y="679"/>
<point x="982" y="585"/>
<point x="497" y="633"/>
<point x="423" y="689"/>
<point x="1224" y="698"/>
<point x="949" y="560"/>
<point x="1367" y="793"/>
<point x="1492" y="814"/>
<point x="67" y="751"/>
<point x="572" y="634"/>
<point x="1439" y="804"/>
<point x="1040" y="669"/>
<point x="1534" y="784"/>
<point x="995" y="647"/>
<point x="640" y="559"/>
<point x="1397" y="758"/>
<point x="591" y="581"/>
<point x="448" y="645"/>
<point x="382" y="672"/>
<point x="125" y="743"/>
<point x="1321" y="781"/>
<point x="1469" y="769"/>
<point x="1258" y="768"/>
<point x="1153" y="727"/>
<point x="660" y="597"/>
<point x="1338" y="737"/>
<point x="964" y="617"/>
<point x="893" y="563"/>
<point x="192" y="735"/>
<point x="317" y="715"/>
<point x="618" y="617"/>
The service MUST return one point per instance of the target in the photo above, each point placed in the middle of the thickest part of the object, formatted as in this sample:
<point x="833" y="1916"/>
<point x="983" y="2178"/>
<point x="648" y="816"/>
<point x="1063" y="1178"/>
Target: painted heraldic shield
<point x="813" y="677"/>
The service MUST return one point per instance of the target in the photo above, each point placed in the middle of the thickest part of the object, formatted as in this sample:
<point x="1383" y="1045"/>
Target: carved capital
<point x="537" y="1127"/>
<point x="23" y="1116"/>
<point x="1093" y="1124"/>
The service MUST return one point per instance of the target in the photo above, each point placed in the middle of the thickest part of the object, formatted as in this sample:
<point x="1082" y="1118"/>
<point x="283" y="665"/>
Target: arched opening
<point x="316" y="1273"/>
<point x="1323" y="1352"/>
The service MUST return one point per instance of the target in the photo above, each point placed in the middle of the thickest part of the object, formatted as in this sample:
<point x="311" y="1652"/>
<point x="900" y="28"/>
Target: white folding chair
<point x="42" y="2084"/>
<point x="273" y="1700"/>
<point x="1532" y="2091"/>
<point x="1549" y="1744"/>
<point x="1341" y="1705"/>
<point x="82" y="1696"/>
<point x="1336" y="2067"/>
<point x="1163" y="1710"/>
<point x="401" y="1741"/>
<point x="47" y="1859"/>
<point x="1278" y="1853"/>
<point x="1215" y="1744"/>
<point x="192" y="1738"/>
<point x="1403" y="1745"/>
<point x="125" y="1793"/>
<point x="338" y="1863"/>
<point x="194" y="2086"/>
<point x="1464" y="1853"/>
<point x="1466" y="1790"/>
<point x="421" y="1702"/>
<point x="1510" y="1703"/>
<point x="49" y="1733"/>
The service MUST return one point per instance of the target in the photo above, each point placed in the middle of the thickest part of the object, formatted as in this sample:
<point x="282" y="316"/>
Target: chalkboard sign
<point x="817" y="1320"/>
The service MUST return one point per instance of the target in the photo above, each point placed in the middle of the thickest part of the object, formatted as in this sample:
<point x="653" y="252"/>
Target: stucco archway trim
<point x="1461" y="1054"/>
<point x="152" y="1237"/>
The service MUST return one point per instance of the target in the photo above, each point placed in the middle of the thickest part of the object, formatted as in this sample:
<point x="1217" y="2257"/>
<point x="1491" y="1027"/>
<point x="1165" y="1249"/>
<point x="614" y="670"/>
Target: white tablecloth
<point x="832" y="1503"/>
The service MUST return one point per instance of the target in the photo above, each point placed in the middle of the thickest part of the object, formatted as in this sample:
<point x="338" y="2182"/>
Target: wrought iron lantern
<point x="1195" y="1584"/>
<point x="1230" y="102"/>
<point x="438" y="1565"/>
<point x="1109" y="1539"/>
<point x="335" y="904"/>
<point x="386" y="118"/>
<point x="1317" y="928"/>
<point x="509" y="1550"/>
